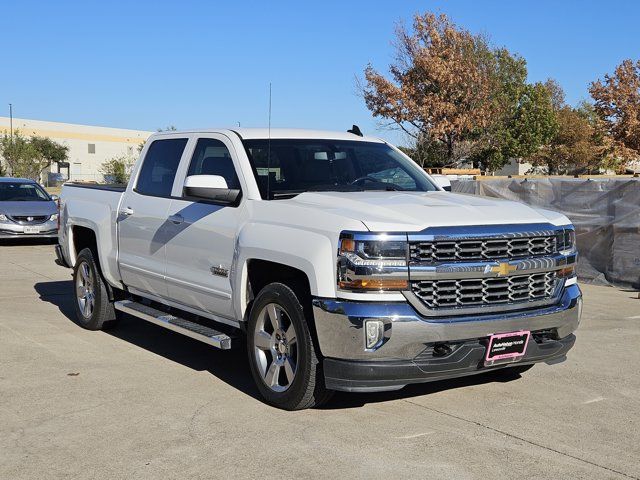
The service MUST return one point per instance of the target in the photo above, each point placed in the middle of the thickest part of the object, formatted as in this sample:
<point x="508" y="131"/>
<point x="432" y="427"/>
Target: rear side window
<point x="212" y="157"/>
<point x="160" y="167"/>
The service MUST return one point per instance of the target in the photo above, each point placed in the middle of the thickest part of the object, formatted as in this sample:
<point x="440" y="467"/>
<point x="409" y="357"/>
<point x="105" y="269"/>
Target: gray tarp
<point x="605" y="212"/>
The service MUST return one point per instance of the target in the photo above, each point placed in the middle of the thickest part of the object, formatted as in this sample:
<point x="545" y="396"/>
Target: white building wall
<point x="107" y="143"/>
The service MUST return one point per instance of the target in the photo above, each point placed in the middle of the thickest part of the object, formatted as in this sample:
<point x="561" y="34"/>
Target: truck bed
<point x="95" y="207"/>
<point x="114" y="187"/>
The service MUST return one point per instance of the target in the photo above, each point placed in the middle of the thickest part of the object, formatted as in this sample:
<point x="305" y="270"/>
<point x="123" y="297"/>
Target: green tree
<point x="117" y="169"/>
<point x="49" y="151"/>
<point x="526" y="121"/>
<point x="439" y="90"/>
<point x="29" y="157"/>
<point x="19" y="155"/>
<point x="457" y="97"/>
<point x="572" y="149"/>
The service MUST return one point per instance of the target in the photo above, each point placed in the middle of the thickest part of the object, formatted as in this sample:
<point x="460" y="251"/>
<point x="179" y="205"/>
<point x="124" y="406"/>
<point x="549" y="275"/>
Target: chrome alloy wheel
<point x="275" y="347"/>
<point x="85" y="290"/>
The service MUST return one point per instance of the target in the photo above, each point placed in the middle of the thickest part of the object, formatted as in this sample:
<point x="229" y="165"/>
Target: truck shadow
<point x="23" y="242"/>
<point x="230" y="366"/>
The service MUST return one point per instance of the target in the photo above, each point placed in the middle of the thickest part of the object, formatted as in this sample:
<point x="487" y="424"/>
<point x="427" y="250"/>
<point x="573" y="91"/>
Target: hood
<point x="28" y="208"/>
<point x="415" y="211"/>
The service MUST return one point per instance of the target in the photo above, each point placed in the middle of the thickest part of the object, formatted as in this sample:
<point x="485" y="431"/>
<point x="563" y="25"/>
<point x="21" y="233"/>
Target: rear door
<point x="201" y="245"/>
<point x="142" y="221"/>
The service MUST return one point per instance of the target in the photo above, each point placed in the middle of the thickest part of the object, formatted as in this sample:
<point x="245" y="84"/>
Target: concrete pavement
<point x="142" y="402"/>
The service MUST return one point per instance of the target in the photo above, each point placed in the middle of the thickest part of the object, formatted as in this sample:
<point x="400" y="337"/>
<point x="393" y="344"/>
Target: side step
<point x="180" y="325"/>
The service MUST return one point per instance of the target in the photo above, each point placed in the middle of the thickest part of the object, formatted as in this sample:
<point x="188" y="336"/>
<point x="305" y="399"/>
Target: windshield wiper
<point x="283" y="194"/>
<point x="388" y="188"/>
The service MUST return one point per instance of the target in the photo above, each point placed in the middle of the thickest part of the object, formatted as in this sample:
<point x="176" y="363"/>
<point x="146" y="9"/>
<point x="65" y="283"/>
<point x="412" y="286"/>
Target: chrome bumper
<point x="48" y="229"/>
<point x="339" y="326"/>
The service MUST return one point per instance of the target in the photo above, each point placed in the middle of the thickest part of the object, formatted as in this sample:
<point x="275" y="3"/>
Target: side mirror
<point x="442" y="181"/>
<point x="210" y="187"/>
<point x="54" y="197"/>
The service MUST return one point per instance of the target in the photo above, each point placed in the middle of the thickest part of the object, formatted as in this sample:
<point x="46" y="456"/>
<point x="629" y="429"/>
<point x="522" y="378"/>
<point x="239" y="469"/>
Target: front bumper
<point x="48" y="229"/>
<point x="407" y="353"/>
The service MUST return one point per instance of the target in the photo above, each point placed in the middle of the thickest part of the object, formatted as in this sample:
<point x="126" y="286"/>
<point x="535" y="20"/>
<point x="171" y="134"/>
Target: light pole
<point x="11" y="121"/>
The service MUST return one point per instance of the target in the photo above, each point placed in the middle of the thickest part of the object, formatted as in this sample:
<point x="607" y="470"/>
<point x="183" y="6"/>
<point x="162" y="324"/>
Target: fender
<point x="103" y="224"/>
<point x="310" y="252"/>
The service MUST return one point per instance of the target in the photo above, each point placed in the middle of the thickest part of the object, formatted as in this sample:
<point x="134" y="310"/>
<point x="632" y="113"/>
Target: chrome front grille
<point x="480" y="249"/>
<point x="479" y="292"/>
<point x="29" y="219"/>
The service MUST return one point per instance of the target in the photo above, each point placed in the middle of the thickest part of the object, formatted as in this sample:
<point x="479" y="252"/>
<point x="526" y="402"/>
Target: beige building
<point x="89" y="146"/>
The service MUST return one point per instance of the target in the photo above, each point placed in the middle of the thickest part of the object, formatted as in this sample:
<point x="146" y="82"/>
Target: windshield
<point x="298" y="166"/>
<point x="22" y="192"/>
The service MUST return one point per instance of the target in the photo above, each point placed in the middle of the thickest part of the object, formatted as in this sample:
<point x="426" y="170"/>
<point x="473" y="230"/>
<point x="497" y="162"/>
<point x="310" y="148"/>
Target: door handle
<point x="176" y="219"/>
<point x="127" y="212"/>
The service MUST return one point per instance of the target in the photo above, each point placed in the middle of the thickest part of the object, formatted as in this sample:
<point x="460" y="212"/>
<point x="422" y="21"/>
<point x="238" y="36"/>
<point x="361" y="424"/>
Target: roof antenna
<point x="269" y="150"/>
<point x="355" y="129"/>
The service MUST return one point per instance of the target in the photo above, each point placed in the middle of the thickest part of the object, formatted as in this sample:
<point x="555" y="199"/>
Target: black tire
<point x="101" y="315"/>
<point x="307" y="389"/>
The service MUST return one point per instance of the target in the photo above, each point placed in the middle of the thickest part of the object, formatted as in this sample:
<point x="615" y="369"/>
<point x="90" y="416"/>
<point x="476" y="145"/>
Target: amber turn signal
<point x="567" y="272"/>
<point x="347" y="245"/>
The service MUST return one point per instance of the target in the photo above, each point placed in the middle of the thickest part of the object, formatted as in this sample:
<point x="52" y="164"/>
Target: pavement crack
<point x="530" y="442"/>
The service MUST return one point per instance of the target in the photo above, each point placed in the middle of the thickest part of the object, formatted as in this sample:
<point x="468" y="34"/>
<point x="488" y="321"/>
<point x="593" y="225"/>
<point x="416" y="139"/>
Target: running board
<point x="180" y="325"/>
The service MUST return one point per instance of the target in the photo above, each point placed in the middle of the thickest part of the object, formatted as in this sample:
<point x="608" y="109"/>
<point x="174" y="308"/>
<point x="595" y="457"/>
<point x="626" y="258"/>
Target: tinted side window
<point x="212" y="157"/>
<point x="160" y="166"/>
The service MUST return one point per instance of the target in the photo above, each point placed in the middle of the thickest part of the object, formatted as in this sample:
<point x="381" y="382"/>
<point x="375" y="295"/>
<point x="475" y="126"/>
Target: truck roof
<point x="280" y="133"/>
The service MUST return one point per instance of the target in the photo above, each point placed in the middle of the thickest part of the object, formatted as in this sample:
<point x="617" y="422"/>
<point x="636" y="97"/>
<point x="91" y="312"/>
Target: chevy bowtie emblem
<point x="502" y="269"/>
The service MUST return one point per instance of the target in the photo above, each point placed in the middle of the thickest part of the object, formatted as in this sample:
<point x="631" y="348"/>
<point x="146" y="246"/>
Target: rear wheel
<point x="282" y="357"/>
<point x="94" y="310"/>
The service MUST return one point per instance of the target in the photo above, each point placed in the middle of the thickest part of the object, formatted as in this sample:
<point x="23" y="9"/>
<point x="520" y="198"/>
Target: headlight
<point x="3" y="218"/>
<point x="53" y="217"/>
<point x="372" y="262"/>
<point x="567" y="239"/>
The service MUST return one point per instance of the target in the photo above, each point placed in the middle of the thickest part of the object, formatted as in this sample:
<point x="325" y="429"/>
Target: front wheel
<point x="282" y="357"/>
<point x="94" y="310"/>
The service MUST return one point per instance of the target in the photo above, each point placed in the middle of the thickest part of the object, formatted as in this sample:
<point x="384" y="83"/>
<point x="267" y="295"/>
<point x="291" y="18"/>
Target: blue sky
<point x="145" y="65"/>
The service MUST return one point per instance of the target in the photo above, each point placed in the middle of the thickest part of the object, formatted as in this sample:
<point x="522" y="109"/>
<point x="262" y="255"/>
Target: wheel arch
<point x="278" y="252"/>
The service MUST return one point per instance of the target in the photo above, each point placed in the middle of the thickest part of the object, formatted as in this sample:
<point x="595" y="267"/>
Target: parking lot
<point x="143" y="402"/>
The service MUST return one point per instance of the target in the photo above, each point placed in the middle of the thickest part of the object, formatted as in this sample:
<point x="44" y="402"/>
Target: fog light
<point x="374" y="333"/>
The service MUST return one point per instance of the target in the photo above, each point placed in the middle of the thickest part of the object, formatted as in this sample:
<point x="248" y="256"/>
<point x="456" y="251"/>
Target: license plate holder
<point x="31" y="229"/>
<point x="506" y="347"/>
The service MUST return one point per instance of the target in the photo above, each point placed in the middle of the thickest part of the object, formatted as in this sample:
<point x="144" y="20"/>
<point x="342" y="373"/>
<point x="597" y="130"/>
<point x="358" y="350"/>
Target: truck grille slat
<point x="485" y="291"/>
<point x="437" y="251"/>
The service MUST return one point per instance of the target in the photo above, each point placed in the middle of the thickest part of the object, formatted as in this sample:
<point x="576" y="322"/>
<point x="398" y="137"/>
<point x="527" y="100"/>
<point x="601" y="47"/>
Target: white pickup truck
<point x="339" y="261"/>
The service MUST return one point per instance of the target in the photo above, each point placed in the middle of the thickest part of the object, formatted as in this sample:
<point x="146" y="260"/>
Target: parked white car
<point x="340" y="263"/>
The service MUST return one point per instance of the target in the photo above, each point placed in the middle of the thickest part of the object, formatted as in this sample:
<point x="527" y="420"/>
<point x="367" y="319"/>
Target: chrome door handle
<point x="127" y="212"/>
<point x="176" y="219"/>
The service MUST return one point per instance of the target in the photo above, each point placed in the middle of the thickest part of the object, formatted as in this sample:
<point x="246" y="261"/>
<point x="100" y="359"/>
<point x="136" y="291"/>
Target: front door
<point x="200" y="248"/>
<point x="142" y="218"/>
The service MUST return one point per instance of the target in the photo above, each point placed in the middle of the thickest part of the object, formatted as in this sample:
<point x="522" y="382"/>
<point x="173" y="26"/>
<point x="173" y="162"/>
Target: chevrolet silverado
<point x="333" y="257"/>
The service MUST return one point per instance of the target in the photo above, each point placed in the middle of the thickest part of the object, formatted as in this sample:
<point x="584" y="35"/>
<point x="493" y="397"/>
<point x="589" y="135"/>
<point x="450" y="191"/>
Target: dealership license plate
<point x="506" y="347"/>
<point x="31" y="229"/>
